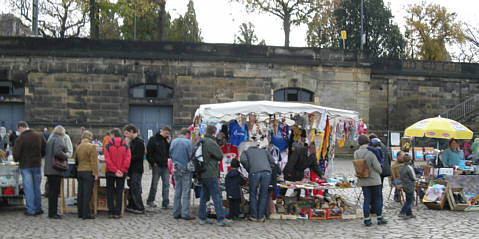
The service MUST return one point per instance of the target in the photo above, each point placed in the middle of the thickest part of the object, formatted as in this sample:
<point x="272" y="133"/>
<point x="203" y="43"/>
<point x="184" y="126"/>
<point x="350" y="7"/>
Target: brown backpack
<point x="361" y="167"/>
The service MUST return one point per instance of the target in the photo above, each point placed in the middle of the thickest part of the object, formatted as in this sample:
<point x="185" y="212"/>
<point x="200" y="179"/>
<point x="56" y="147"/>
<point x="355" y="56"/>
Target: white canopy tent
<point x="228" y="111"/>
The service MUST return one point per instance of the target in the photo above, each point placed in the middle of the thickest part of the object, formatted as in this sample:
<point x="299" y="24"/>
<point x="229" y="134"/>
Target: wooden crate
<point x="439" y="204"/>
<point x="452" y="202"/>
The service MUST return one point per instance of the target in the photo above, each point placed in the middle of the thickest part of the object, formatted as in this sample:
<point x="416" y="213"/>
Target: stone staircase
<point x="465" y="111"/>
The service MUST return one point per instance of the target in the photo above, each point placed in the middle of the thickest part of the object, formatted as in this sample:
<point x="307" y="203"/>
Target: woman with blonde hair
<point x="87" y="160"/>
<point x="55" y="149"/>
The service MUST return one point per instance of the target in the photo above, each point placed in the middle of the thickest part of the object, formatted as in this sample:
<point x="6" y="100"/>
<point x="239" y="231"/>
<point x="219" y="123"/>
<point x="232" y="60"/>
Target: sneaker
<point x="224" y="223"/>
<point x="135" y="211"/>
<point x="166" y="207"/>
<point x="411" y="216"/>
<point x="252" y="219"/>
<point x="188" y="218"/>
<point x="152" y="204"/>
<point x="261" y="220"/>
<point x="382" y="221"/>
<point x="29" y="214"/>
<point x="176" y="217"/>
<point x="368" y="223"/>
<point x="203" y="222"/>
<point x="402" y="215"/>
<point x="39" y="212"/>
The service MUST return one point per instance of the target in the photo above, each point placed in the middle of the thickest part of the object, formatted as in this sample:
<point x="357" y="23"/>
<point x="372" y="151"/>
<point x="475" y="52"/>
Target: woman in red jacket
<point x="117" y="157"/>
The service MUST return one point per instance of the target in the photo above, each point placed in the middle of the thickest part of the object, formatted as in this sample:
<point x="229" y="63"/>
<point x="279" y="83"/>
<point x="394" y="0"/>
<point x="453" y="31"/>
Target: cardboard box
<point x="318" y="214"/>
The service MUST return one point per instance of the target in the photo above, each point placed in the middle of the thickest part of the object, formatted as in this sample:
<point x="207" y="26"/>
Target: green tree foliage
<point x="247" y="36"/>
<point x="429" y="29"/>
<point x="185" y="28"/>
<point x="322" y="29"/>
<point x="383" y="38"/>
<point x="146" y="13"/>
<point x="108" y="25"/>
<point x="291" y="12"/>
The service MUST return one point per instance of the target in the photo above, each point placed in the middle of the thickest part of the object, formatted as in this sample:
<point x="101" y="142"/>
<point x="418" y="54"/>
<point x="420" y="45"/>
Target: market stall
<point x="451" y="187"/>
<point x="280" y="127"/>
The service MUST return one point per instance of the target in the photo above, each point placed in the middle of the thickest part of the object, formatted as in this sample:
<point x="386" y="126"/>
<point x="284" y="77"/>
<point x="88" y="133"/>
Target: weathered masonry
<point x="104" y="84"/>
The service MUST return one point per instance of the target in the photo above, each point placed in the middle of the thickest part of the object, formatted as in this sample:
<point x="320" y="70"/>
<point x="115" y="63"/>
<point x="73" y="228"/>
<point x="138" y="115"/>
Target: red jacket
<point x="117" y="155"/>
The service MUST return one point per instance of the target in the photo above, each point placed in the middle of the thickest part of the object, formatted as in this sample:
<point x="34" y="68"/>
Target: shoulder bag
<point x="58" y="163"/>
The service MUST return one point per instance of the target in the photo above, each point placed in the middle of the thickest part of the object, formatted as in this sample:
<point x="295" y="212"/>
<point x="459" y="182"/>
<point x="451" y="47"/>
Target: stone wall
<point x="403" y="92"/>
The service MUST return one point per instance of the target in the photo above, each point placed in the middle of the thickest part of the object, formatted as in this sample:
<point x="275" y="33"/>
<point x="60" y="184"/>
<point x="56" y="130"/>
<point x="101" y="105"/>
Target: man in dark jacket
<point x="301" y="159"/>
<point x="158" y="151"/>
<point x="135" y="172"/>
<point x="29" y="149"/>
<point x="212" y="154"/>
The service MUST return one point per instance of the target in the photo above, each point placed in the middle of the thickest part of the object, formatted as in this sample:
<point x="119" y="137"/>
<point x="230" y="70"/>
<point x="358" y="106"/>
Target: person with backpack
<point x="371" y="185"/>
<point x="180" y="151"/>
<point x="117" y="157"/>
<point x="208" y="178"/>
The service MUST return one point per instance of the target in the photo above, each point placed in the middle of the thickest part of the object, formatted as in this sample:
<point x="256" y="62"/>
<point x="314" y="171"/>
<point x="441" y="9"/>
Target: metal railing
<point x="463" y="109"/>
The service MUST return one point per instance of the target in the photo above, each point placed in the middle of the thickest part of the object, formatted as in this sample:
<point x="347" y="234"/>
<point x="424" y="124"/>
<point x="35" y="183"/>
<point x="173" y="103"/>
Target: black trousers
<point x="135" y="200"/>
<point x="54" y="182"/>
<point x="114" y="191"/>
<point x="234" y="207"/>
<point x="85" y="190"/>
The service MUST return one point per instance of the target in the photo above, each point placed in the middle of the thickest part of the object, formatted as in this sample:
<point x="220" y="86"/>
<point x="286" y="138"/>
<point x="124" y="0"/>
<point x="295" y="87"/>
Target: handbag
<point x="58" y="163"/>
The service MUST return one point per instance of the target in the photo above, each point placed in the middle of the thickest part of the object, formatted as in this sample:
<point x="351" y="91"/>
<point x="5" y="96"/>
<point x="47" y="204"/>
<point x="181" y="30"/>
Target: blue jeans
<point x="181" y="205"/>
<point x="32" y="178"/>
<point x="370" y="192"/>
<point x="211" y="187"/>
<point x="407" y="207"/>
<point x="258" y="204"/>
<point x="158" y="172"/>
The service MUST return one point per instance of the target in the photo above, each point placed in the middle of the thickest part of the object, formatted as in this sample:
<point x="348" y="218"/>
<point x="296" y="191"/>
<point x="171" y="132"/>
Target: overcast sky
<point x="219" y="20"/>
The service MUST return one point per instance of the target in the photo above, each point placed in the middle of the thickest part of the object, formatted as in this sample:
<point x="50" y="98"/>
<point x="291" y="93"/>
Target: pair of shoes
<point x="135" y="211"/>
<point x="261" y="220"/>
<point x="224" y="223"/>
<point x="177" y="217"/>
<point x="56" y="216"/>
<point x="252" y="219"/>
<point x="368" y="224"/>
<point x="151" y="204"/>
<point x="382" y="221"/>
<point x="89" y="217"/>
<point x="188" y="218"/>
<point x="29" y="214"/>
<point x="39" y="212"/>
<point x="166" y="207"/>
<point x="203" y="222"/>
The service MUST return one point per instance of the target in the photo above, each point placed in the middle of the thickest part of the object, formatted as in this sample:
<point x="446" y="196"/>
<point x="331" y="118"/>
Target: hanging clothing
<point x="229" y="152"/>
<point x="238" y="133"/>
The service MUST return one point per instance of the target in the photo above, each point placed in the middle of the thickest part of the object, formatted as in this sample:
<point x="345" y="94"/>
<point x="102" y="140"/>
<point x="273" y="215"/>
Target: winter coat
<point x="255" y="159"/>
<point x="373" y="165"/>
<point x="158" y="151"/>
<point x="298" y="162"/>
<point x="55" y="148"/>
<point x="233" y="181"/>
<point x="87" y="157"/>
<point x="212" y="154"/>
<point x="29" y="149"/>
<point x="137" y="147"/>
<point x="408" y="178"/>
<point x="117" y="155"/>
<point x="387" y="161"/>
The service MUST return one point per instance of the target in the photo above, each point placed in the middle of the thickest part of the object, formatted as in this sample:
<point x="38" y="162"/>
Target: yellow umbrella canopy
<point x="439" y="128"/>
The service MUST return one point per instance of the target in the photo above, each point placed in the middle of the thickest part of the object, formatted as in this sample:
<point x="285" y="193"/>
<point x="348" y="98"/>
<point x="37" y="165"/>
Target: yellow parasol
<point x="439" y="128"/>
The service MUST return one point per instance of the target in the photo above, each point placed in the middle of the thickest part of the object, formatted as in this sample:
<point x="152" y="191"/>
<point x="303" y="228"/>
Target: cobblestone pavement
<point x="158" y="223"/>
